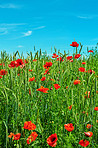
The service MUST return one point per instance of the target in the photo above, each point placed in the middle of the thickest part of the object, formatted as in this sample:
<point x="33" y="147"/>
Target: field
<point x="49" y="101"/>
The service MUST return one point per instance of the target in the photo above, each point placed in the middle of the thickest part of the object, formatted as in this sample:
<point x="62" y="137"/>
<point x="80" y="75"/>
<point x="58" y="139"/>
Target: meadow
<point x="49" y="101"/>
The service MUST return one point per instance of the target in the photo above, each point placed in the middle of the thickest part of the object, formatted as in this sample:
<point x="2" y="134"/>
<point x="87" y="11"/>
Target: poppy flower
<point x="20" y="63"/>
<point x="84" y="143"/>
<point x="77" y="56"/>
<point x="71" y="60"/>
<point x="60" y="59"/>
<point x="88" y="134"/>
<point x="48" y="64"/>
<point x="52" y="140"/>
<point x="29" y="125"/>
<point x="16" y="137"/>
<point x="46" y="71"/>
<point x="69" y="127"/>
<point x="25" y="61"/>
<point x="96" y="108"/>
<point x="34" y="60"/>
<point x="31" y="79"/>
<point x="11" y="134"/>
<point x="83" y="63"/>
<point x="90" y="51"/>
<point x="76" y="82"/>
<point x="54" y="55"/>
<point x="89" y="126"/>
<point x="91" y="71"/>
<point x="0" y="77"/>
<point x="43" y="78"/>
<point x="42" y="89"/>
<point x="66" y="87"/>
<point x="70" y="107"/>
<point x="69" y="57"/>
<point x="30" y="70"/>
<point x="57" y="86"/>
<point x="29" y="92"/>
<point x="81" y="69"/>
<point x="32" y="137"/>
<point x="12" y="64"/>
<point x="3" y="72"/>
<point x="74" y="44"/>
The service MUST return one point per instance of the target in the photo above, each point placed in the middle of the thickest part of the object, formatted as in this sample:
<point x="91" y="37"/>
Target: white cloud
<point x="41" y="27"/>
<point x="19" y="46"/>
<point x="13" y="6"/>
<point x="85" y="17"/>
<point x="27" y="33"/>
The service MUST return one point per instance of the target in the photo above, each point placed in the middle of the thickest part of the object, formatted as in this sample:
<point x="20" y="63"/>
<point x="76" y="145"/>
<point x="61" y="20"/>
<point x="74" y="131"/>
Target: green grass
<point x="48" y="111"/>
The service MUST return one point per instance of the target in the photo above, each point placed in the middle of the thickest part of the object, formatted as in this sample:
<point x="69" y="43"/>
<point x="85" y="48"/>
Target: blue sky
<point x="47" y="23"/>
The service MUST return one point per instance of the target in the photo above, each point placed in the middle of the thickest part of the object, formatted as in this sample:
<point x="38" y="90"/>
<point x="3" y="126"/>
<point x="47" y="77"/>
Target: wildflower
<point x="11" y="134"/>
<point x="43" y="78"/>
<point x="31" y="79"/>
<point x="77" y="56"/>
<point x="48" y="64"/>
<point x="90" y="51"/>
<point x="60" y="59"/>
<point x="76" y="82"/>
<point x="96" y="108"/>
<point x="74" y="44"/>
<point x="16" y="137"/>
<point x="3" y="72"/>
<point x="66" y="87"/>
<point x="12" y="64"/>
<point x="0" y="77"/>
<point x="89" y="126"/>
<point x="54" y="55"/>
<point x="29" y="125"/>
<point x="88" y="134"/>
<point x="25" y="61"/>
<point x="81" y="69"/>
<point x="29" y="92"/>
<point x="34" y="60"/>
<point x="32" y="137"/>
<point x="57" y="86"/>
<point x="20" y="63"/>
<point x="71" y="60"/>
<point x="69" y="127"/>
<point x="69" y="57"/>
<point x="52" y="140"/>
<point x="91" y="71"/>
<point x="42" y="89"/>
<point x="84" y="143"/>
<point x="30" y="70"/>
<point x="47" y="71"/>
<point x="70" y="107"/>
<point x="83" y="63"/>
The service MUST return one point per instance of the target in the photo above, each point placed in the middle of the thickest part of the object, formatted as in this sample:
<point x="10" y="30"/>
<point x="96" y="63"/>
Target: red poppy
<point x="48" y="64"/>
<point x="57" y="86"/>
<point x="34" y="60"/>
<point x="46" y="71"/>
<point x="20" y="63"/>
<point x="76" y="82"/>
<point x="96" y="108"/>
<point x="42" y="89"/>
<point x="69" y="57"/>
<point x="29" y="125"/>
<point x="60" y="59"/>
<point x="30" y="70"/>
<point x="88" y="134"/>
<point x="90" y="51"/>
<point x="81" y="69"/>
<point x="16" y="137"/>
<point x="12" y="64"/>
<point x="83" y="63"/>
<point x="31" y="79"/>
<point x="70" y="107"/>
<point x="3" y="72"/>
<point x="89" y="126"/>
<point x="52" y="140"/>
<point x="43" y="78"/>
<point x="66" y="87"/>
<point x="74" y="44"/>
<point x="77" y="56"/>
<point x="91" y="71"/>
<point x="32" y="137"/>
<point x="11" y="134"/>
<point x="84" y="143"/>
<point x="0" y="77"/>
<point x="69" y="127"/>
<point x="71" y="60"/>
<point x="26" y="61"/>
<point x="29" y="92"/>
<point x="54" y="55"/>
